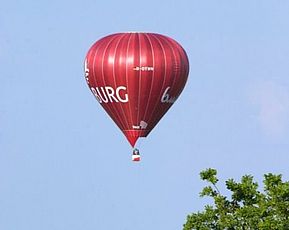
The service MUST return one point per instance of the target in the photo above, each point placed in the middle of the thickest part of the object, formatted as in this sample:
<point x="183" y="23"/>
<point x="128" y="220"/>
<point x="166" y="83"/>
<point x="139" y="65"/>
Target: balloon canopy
<point x="136" y="77"/>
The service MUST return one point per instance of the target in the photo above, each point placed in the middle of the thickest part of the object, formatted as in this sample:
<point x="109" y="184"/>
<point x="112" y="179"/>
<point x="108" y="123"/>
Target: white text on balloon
<point x="108" y="94"/>
<point x="166" y="98"/>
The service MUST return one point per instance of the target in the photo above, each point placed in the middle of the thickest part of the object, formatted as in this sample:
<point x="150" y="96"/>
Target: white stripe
<point x="93" y="64"/>
<point x="175" y="57"/>
<point x="126" y="79"/>
<point x="153" y="76"/>
<point x="139" y="81"/>
<point x="102" y="71"/>
<point x="165" y="74"/>
<point x="113" y="71"/>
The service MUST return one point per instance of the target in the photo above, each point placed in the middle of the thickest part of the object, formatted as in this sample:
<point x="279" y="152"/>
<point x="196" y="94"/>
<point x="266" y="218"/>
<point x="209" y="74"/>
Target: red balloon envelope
<point x="136" y="77"/>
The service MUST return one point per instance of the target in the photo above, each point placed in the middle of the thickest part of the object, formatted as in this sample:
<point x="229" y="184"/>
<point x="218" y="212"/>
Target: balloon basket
<point x="135" y="155"/>
<point x="135" y="158"/>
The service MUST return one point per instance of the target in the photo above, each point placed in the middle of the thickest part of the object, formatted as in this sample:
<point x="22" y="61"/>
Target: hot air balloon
<point x="136" y="78"/>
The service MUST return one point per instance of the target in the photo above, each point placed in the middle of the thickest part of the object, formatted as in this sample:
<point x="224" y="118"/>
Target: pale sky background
<point x="64" y="165"/>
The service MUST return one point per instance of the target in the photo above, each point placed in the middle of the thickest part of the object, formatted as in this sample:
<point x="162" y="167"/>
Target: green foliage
<point x="247" y="208"/>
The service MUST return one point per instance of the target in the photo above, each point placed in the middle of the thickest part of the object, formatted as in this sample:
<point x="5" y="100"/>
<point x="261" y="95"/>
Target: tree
<point x="247" y="208"/>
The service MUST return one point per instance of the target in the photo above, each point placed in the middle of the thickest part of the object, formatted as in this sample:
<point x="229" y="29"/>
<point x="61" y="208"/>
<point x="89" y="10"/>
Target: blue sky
<point x="65" y="165"/>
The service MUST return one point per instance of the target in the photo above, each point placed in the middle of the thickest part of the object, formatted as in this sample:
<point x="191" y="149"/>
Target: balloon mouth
<point x="133" y="135"/>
